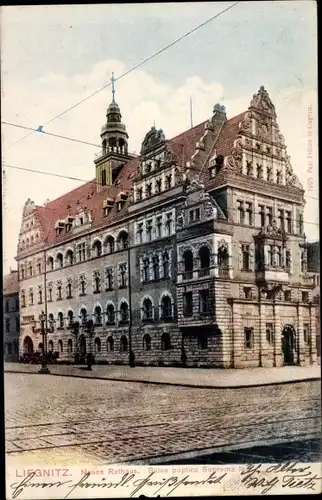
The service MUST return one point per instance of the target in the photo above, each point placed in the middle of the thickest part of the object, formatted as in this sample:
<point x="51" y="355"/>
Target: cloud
<point x="143" y="99"/>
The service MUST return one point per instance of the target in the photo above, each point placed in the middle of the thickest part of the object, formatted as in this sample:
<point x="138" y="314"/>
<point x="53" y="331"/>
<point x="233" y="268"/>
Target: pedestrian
<point x="132" y="359"/>
<point x="89" y="360"/>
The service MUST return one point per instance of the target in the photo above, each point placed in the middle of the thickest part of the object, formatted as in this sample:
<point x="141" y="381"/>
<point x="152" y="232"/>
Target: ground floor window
<point x="306" y="333"/>
<point x="269" y="333"/>
<point x="202" y="342"/>
<point x="249" y="338"/>
<point x="147" y="342"/>
<point x="165" y="342"/>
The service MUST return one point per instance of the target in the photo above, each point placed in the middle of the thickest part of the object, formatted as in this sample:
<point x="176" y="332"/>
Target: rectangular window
<point x="249" y="214"/>
<point x="7" y="325"/>
<point x="191" y="215"/>
<point x="204" y="302"/>
<point x="269" y="333"/>
<point x="197" y="217"/>
<point x="261" y="210"/>
<point x="306" y="333"/>
<point x="17" y="324"/>
<point x="305" y="296"/>
<point x="240" y="212"/>
<point x="81" y="248"/>
<point x="288" y="222"/>
<point x="300" y="224"/>
<point x="249" y="338"/>
<point x="287" y="295"/>
<point x="247" y="292"/>
<point x="159" y="227"/>
<point x="149" y="230"/>
<point x="7" y="306"/>
<point x="109" y="279"/>
<point x="140" y="233"/>
<point x="246" y="257"/>
<point x="122" y="273"/>
<point x="281" y="222"/>
<point x="168" y="224"/>
<point x="269" y="215"/>
<point x="187" y="304"/>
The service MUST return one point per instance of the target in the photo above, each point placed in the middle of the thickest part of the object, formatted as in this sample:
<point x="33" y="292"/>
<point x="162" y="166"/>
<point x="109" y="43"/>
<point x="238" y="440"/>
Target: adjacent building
<point x="192" y="253"/>
<point x="313" y="265"/>
<point x="11" y="316"/>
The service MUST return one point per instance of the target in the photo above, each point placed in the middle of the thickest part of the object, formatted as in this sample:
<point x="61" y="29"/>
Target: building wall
<point x="11" y="326"/>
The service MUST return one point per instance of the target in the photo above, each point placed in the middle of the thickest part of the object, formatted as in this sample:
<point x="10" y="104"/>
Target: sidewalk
<point x="184" y="377"/>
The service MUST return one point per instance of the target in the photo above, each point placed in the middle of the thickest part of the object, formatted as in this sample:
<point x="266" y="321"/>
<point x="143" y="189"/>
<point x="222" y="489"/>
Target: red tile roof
<point x="86" y="196"/>
<point x="10" y="283"/>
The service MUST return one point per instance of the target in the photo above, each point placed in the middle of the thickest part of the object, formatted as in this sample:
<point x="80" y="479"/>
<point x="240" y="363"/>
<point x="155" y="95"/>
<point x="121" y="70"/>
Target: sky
<point x="54" y="56"/>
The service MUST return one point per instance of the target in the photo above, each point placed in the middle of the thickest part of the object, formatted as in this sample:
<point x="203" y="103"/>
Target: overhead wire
<point x="212" y="18"/>
<point x="98" y="183"/>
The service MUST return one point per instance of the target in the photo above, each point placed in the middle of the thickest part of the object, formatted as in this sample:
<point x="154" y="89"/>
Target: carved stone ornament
<point x="180" y="220"/>
<point x="246" y="124"/>
<point x="262" y="102"/>
<point x="169" y="158"/>
<point x="271" y="231"/>
<point x="235" y="158"/>
<point x="223" y="245"/>
<point x="210" y="211"/>
<point x="153" y="138"/>
<point x="29" y="207"/>
<point x="218" y="108"/>
<point x="194" y="185"/>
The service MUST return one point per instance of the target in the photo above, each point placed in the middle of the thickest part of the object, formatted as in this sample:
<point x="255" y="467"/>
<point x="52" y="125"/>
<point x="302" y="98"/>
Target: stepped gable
<point x="10" y="283"/>
<point x="224" y="143"/>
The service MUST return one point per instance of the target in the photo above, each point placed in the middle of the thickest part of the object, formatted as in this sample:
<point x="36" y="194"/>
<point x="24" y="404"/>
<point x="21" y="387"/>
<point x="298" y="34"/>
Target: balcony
<point x="273" y="274"/>
<point x="223" y="272"/>
<point x="307" y="280"/>
<point x="187" y="275"/>
<point x="204" y="272"/>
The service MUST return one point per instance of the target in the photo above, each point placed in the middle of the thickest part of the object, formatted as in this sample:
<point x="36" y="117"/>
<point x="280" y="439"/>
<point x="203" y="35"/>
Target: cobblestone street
<point x="61" y="420"/>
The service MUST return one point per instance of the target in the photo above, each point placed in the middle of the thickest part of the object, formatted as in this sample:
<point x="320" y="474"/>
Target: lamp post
<point x="44" y="368"/>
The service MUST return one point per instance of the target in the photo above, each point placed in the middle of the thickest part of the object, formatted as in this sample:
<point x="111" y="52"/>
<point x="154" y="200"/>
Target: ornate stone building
<point x="11" y="321"/>
<point x="192" y="253"/>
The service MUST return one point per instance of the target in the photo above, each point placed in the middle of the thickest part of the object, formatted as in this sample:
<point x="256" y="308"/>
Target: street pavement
<point x="53" y="420"/>
<point x="185" y="377"/>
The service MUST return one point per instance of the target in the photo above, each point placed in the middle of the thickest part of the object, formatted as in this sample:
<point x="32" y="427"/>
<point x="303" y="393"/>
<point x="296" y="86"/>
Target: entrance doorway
<point x="288" y="344"/>
<point x="82" y="345"/>
<point x="28" y="346"/>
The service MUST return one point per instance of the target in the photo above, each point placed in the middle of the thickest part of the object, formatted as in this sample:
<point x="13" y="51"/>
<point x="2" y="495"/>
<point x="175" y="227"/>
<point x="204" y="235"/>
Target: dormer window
<point x="59" y="227"/>
<point x="139" y="193"/>
<point x="121" y="201"/>
<point x="168" y="181"/>
<point x="107" y="206"/>
<point x="81" y="220"/>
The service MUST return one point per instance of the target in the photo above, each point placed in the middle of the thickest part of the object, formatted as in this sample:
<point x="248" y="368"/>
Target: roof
<point x="86" y="196"/>
<point x="10" y="283"/>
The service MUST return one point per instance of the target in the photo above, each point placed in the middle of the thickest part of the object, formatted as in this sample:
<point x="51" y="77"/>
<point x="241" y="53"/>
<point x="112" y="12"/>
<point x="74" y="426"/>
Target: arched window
<point x="50" y="346"/>
<point x="60" y="346"/>
<point x="122" y="146"/>
<point x="204" y="257"/>
<point x="166" y="307"/>
<point x="23" y="299"/>
<point x="104" y="147"/>
<point x="97" y="345"/>
<point x="60" y="318"/>
<point x="165" y="342"/>
<point x="69" y="257"/>
<point x="103" y="176"/>
<point x="110" y="344"/>
<point x="28" y="346"/>
<point x="97" y="248"/>
<point x="165" y="265"/>
<point x="123" y="343"/>
<point x="40" y="346"/>
<point x="83" y="315"/>
<point x="59" y="260"/>
<point x="188" y="264"/>
<point x="22" y="273"/>
<point x="223" y="261"/>
<point x="123" y="240"/>
<point x="70" y="318"/>
<point x="50" y="263"/>
<point x="98" y="315"/>
<point x="155" y="267"/>
<point x="51" y="320"/>
<point x="30" y="269"/>
<point x="147" y="342"/>
<point x="147" y="310"/>
<point x="69" y="346"/>
<point x="124" y="312"/>
<point x="32" y="240"/>
<point x="110" y="314"/>
<point x="109" y="244"/>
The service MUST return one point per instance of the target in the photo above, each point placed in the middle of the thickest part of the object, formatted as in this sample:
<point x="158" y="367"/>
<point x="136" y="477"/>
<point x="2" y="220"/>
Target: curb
<point x="174" y="384"/>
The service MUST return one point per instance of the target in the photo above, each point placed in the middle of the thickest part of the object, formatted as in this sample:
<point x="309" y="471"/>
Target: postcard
<point x="161" y="250"/>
